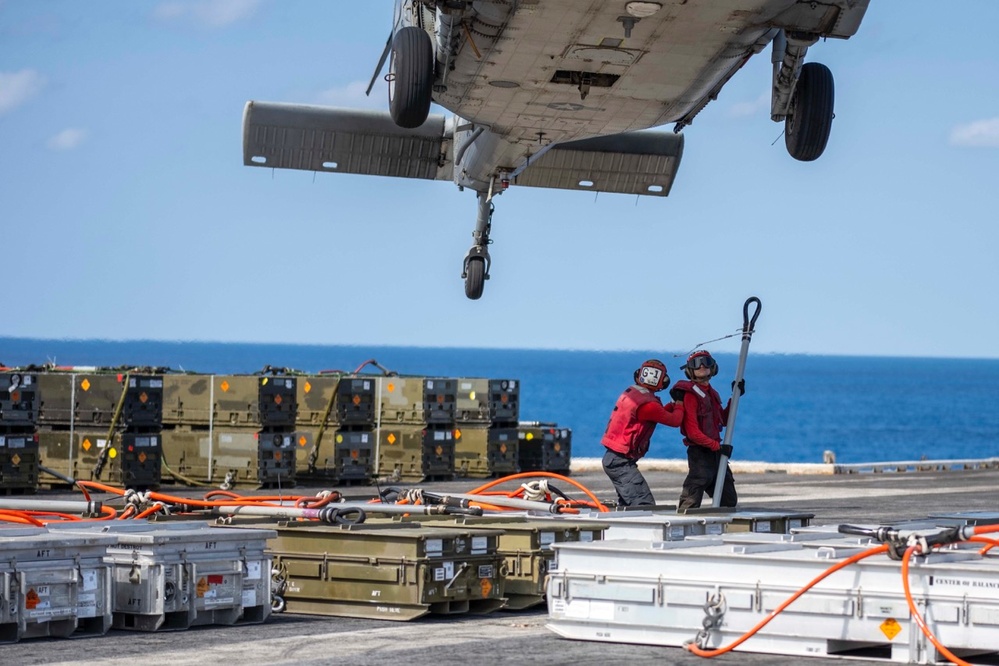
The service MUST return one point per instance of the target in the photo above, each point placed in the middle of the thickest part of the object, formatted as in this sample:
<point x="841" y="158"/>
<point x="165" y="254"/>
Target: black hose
<point x="57" y="475"/>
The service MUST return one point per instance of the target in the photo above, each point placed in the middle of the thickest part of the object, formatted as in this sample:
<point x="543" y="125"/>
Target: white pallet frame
<point x="636" y="592"/>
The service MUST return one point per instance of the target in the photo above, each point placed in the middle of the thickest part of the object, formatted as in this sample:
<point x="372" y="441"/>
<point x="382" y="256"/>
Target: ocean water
<point x="864" y="409"/>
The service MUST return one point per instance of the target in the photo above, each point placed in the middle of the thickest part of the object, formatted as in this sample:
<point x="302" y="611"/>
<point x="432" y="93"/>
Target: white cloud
<point x="18" y="87"/>
<point x="978" y="134"/>
<point x="68" y="139"/>
<point x="210" y="13"/>
<point x="743" y="109"/>
<point x="352" y="96"/>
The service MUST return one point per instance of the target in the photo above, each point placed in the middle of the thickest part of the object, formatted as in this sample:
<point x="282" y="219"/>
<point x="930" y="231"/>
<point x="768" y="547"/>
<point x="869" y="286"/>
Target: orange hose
<point x="954" y="659"/>
<point x="551" y="475"/>
<point x="21" y="517"/>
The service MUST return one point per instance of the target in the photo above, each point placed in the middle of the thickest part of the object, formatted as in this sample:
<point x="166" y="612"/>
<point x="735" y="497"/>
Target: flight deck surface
<point x="505" y="637"/>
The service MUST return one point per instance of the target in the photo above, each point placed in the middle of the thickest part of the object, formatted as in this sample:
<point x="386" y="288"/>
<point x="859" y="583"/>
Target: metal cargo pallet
<point x="53" y="584"/>
<point x="665" y="593"/>
<point x="172" y="576"/>
<point x="647" y="525"/>
<point x="387" y="571"/>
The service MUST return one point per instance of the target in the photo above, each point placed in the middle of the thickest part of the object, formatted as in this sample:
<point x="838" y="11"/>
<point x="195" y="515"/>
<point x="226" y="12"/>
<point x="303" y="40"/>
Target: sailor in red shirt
<point x="704" y="418"/>
<point x="637" y="412"/>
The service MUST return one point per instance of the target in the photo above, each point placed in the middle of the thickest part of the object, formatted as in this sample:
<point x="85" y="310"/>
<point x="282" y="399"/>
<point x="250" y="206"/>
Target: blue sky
<point x="127" y="213"/>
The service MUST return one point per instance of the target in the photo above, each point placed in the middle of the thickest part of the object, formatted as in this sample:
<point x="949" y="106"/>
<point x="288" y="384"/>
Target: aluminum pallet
<point x="660" y="594"/>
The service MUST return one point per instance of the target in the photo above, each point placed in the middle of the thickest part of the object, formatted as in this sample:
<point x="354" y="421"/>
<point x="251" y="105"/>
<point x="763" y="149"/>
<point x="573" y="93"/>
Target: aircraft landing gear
<point x="475" y="270"/>
<point x="809" y="119"/>
<point x="411" y="77"/>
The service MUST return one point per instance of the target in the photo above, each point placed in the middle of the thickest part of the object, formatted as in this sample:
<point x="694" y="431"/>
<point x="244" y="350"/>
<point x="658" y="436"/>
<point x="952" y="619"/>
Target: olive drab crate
<point x="387" y="571"/>
<point x="415" y="452"/>
<point x="417" y="400"/>
<point x="132" y="459"/>
<point x="492" y="401"/>
<point x="18" y="400"/>
<point x="354" y="456"/>
<point x="19" y="456"/>
<point x="526" y="547"/>
<point x="231" y="457"/>
<point x="485" y="451"/>
<point x="100" y="424"/>
<point x="544" y="447"/>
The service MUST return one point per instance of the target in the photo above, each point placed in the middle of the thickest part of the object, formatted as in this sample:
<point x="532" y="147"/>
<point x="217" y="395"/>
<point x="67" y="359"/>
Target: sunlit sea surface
<point x="796" y="407"/>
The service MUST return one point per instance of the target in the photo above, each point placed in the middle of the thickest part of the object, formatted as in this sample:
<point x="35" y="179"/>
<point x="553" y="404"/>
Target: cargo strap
<point x="314" y="453"/>
<point x="103" y="458"/>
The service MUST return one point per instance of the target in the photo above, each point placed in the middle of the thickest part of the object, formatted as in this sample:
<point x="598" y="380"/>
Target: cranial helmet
<point x="700" y="359"/>
<point x="652" y="375"/>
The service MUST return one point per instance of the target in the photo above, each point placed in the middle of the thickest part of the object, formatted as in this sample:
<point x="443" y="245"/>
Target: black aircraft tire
<point x="475" y="277"/>
<point x="411" y="77"/>
<point x="806" y="129"/>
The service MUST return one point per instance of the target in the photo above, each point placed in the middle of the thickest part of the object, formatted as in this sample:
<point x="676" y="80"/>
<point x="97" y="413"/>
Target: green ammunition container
<point x="423" y="400"/>
<point x="233" y="457"/>
<point x="277" y="401"/>
<point x="18" y="400"/>
<point x="495" y="401"/>
<point x="482" y="452"/>
<point x="354" y="456"/>
<point x="415" y="452"/>
<point x="254" y="400"/>
<point x="87" y="399"/>
<point x="56" y="398"/>
<point x="132" y="459"/>
<point x="356" y="399"/>
<point x="345" y="456"/>
<point x="55" y="452"/>
<point x="388" y="571"/>
<point x="187" y="399"/>
<point x="544" y="447"/>
<point x="18" y="462"/>
<point x="526" y="548"/>
<point x="314" y="394"/>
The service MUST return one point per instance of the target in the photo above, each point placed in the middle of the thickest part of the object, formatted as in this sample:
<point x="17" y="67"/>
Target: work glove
<point x="725" y="450"/>
<point x="676" y="394"/>
<point x="742" y="387"/>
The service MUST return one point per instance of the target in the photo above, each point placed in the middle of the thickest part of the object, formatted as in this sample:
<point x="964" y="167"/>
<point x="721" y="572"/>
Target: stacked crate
<point x="233" y="430"/>
<point x="543" y="447"/>
<point x="18" y="440"/>
<point x="102" y="425"/>
<point x="486" y="435"/>
<point x="336" y="427"/>
<point x="416" y="427"/>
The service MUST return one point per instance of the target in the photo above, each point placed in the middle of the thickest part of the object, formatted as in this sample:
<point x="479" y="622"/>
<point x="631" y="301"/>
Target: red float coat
<point x="635" y="415"/>
<point x="704" y="416"/>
